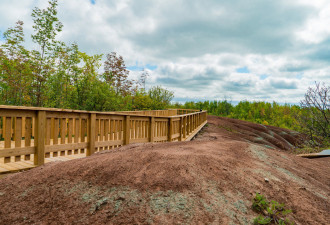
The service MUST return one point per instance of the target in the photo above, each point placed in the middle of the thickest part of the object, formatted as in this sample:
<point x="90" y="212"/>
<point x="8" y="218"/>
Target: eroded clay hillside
<point x="211" y="180"/>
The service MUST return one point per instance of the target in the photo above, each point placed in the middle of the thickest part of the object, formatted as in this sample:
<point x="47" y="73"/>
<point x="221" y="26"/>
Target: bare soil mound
<point x="267" y="136"/>
<point x="211" y="180"/>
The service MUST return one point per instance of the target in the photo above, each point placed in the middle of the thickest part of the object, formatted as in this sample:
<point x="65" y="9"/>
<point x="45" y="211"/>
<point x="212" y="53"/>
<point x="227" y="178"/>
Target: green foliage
<point x="272" y="212"/>
<point x="61" y="76"/>
<point x="160" y="97"/>
<point x="258" y="112"/>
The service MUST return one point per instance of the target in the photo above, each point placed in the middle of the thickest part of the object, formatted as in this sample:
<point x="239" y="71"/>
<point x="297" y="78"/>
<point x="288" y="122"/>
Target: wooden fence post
<point x="152" y="129"/>
<point x="39" y="138"/>
<point x="91" y="134"/>
<point x="127" y="130"/>
<point x="170" y="129"/>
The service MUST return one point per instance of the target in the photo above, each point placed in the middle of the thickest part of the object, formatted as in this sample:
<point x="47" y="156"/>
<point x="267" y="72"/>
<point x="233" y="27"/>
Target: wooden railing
<point x="30" y="133"/>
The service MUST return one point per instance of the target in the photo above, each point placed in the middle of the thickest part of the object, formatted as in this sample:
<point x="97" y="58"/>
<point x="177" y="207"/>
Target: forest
<point x="60" y="75"/>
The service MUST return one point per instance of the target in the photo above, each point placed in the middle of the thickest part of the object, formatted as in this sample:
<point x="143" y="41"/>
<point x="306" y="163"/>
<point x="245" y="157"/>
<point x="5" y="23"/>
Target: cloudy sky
<point x="269" y="50"/>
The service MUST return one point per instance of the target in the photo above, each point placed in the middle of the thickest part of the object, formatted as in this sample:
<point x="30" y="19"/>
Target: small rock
<point x="266" y="180"/>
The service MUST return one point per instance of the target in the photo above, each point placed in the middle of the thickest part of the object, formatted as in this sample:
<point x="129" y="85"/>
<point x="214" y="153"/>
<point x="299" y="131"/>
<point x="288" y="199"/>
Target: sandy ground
<point x="210" y="180"/>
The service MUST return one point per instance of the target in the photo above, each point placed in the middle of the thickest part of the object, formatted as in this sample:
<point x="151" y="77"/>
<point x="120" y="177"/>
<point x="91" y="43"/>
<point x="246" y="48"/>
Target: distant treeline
<point x="266" y="113"/>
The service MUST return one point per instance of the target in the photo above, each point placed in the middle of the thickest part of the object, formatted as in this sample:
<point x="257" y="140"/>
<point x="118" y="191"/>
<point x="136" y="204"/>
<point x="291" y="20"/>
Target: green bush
<point x="270" y="212"/>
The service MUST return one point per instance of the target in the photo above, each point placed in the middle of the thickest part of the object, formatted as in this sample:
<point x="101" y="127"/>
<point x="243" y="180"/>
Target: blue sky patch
<point x="263" y="76"/>
<point x="243" y="70"/>
<point x="93" y="2"/>
<point x="299" y="76"/>
<point x="137" y="67"/>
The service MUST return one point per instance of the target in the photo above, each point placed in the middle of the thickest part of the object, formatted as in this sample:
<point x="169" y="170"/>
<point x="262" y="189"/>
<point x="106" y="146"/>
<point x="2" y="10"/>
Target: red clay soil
<point x="211" y="180"/>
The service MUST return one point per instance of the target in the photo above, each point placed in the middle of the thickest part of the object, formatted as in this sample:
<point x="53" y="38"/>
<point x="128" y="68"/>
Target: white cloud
<point x="198" y="46"/>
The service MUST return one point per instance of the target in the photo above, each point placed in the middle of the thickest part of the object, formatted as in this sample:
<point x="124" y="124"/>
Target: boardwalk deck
<point x="31" y="136"/>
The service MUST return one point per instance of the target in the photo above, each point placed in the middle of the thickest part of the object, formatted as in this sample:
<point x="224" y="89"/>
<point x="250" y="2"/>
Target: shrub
<point x="270" y="212"/>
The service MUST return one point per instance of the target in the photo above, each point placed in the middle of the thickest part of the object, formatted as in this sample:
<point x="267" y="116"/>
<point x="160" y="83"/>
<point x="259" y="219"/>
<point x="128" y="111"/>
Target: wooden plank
<point x="28" y="131"/>
<point x="101" y="130"/>
<point x="17" y="151"/>
<point x="109" y="143"/>
<point x="97" y="129"/>
<point x="151" y="129"/>
<point x="63" y="130"/>
<point x="127" y="130"/>
<point x="76" y="130"/>
<point x="56" y="129"/>
<point x="158" y="119"/>
<point x="195" y="131"/>
<point x="8" y="132"/>
<point x="39" y="156"/>
<point x="83" y="130"/>
<point x="180" y="129"/>
<point x="175" y="136"/>
<point x="170" y="129"/>
<point x="115" y="132"/>
<point x="139" y="140"/>
<point x="91" y="137"/>
<point x="16" y="113"/>
<point x="66" y="115"/>
<point x="106" y="129"/>
<point x="111" y="129"/>
<point x="139" y="118"/>
<point x="48" y="130"/>
<point x="70" y="130"/>
<point x="65" y="147"/>
<point x="18" y="132"/>
<point x="184" y="128"/>
<point x="23" y="127"/>
<point x="162" y="138"/>
<point x="111" y="117"/>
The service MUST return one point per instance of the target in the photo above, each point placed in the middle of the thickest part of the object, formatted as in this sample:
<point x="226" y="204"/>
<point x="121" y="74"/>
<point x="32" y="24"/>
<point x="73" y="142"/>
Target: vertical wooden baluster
<point x="91" y="137"/>
<point x="56" y="130"/>
<point x="7" y="136"/>
<point x="28" y="133"/>
<point x="122" y="129"/>
<point x="115" y="130"/>
<point x="170" y="129"/>
<point x="152" y="128"/>
<point x="111" y="129"/>
<point x="97" y="129"/>
<point x="126" y="130"/>
<point x="47" y="134"/>
<point x="63" y="130"/>
<point x="48" y="131"/>
<point x="106" y="132"/>
<point x="101" y="133"/>
<point x="82" y="133"/>
<point x="76" y="133"/>
<point x="18" y="136"/>
<point x="70" y="132"/>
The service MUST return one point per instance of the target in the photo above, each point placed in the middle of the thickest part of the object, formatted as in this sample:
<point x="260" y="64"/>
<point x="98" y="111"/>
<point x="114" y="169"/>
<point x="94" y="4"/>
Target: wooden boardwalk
<point x="13" y="166"/>
<point x="31" y="136"/>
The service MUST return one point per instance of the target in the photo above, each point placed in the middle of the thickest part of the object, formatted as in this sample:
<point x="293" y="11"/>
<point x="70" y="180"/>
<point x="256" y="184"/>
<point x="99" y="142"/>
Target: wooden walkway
<point x="28" y="164"/>
<point x="13" y="166"/>
<point x="31" y="136"/>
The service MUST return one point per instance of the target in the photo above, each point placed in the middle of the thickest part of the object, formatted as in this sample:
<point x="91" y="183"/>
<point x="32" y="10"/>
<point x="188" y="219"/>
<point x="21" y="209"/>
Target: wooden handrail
<point x="36" y="133"/>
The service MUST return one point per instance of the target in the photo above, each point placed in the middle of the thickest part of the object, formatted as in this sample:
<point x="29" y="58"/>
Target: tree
<point x="46" y="26"/>
<point x="116" y="74"/>
<point x="143" y="78"/>
<point x="315" y="115"/>
<point x="15" y="68"/>
<point x="161" y="97"/>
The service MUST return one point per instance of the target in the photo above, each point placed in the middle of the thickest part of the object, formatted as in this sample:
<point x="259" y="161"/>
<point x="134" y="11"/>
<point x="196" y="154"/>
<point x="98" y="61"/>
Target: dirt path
<point x="210" y="180"/>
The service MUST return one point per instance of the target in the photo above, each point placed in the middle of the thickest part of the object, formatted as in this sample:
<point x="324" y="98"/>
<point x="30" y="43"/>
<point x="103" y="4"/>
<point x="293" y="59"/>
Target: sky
<point x="256" y="50"/>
